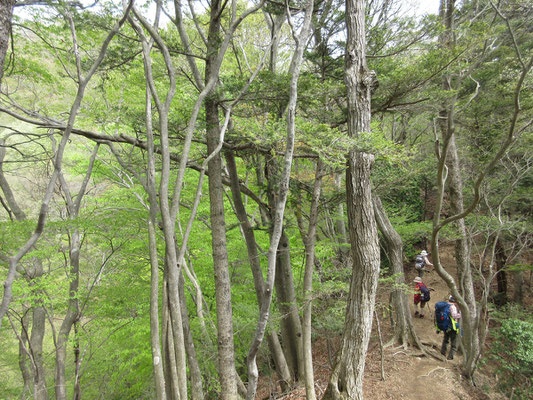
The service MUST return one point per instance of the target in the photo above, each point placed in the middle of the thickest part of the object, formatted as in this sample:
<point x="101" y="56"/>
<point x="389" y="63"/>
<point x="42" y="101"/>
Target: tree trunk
<point x="23" y="357"/>
<point x="469" y="309"/>
<point x="72" y="314"/>
<point x="34" y="376"/>
<point x="6" y="13"/>
<point x="501" y="274"/>
<point x="197" y="391"/>
<point x="308" y="286"/>
<point x="40" y="391"/>
<point x="226" y="369"/>
<point x="150" y="187"/>
<point x="77" y="364"/>
<point x="404" y="332"/>
<point x="291" y="327"/>
<point x="346" y="381"/>
<point x="276" y="350"/>
<point x="157" y="357"/>
<point x="284" y="283"/>
<point x="170" y="368"/>
<point x="518" y="279"/>
<point x="340" y="226"/>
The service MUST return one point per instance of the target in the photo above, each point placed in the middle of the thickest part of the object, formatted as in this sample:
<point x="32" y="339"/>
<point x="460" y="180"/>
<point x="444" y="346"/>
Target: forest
<point x="224" y="199"/>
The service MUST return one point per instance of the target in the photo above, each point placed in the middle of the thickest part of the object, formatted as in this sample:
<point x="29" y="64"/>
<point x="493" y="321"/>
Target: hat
<point x="424" y="252"/>
<point x="417" y="279"/>
<point x="451" y="299"/>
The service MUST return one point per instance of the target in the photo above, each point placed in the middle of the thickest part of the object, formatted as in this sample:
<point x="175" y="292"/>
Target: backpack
<point x="424" y="293"/>
<point x="443" y="319"/>
<point x="419" y="262"/>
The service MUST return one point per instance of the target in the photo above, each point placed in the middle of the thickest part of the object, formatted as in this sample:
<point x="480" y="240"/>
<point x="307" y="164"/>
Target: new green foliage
<point x="512" y="353"/>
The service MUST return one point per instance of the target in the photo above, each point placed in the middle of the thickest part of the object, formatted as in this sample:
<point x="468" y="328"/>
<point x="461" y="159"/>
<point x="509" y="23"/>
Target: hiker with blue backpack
<point x="421" y="296"/>
<point x="420" y="263"/>
<point x="447" y="317"/>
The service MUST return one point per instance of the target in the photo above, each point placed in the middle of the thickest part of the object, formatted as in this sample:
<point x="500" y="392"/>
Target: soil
<point x="408" y="374"/>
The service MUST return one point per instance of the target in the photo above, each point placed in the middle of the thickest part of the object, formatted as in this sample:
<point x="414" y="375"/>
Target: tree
<point x="6" y="12"/>
<point x="83" y="81"/>
<point x="346" y="380"/>
<point x="474" y="315"/>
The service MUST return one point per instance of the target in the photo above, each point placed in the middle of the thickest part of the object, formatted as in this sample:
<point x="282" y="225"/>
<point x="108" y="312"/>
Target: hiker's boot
<point x="450" y="356"/>
<point x="416" y="313"/>
<point x="443" y="349"/>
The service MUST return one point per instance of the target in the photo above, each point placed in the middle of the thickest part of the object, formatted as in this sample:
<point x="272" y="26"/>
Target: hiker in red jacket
<point x="421" y="296"/>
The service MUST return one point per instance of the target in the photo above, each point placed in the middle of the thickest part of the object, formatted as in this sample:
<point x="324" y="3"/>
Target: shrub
<point x="512" y="352"/>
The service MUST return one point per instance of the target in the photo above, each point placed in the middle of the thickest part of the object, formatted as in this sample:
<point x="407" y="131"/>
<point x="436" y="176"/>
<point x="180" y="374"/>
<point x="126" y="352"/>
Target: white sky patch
<point x="422" y="7"/>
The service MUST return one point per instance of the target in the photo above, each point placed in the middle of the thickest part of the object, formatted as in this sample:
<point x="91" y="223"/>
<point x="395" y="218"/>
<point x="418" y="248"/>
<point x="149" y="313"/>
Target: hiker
<point x="447" y="317"/>
<point x="421" y="262"/>
<point x="421" y="296"/>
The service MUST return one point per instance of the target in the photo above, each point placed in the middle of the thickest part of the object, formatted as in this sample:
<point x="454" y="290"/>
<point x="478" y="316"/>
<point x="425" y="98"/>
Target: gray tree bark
<point x="38" y="328"/>
<point x="346" y="381"/>
<point x="23" y="357"/>
<point x="275" y="347"/>
<point x="150" y="187"/>
<point x="6" y="13"/>
<point x="310" y="240"/>
<point x="226" y="357"/>
<point x="291" y="327"/>
<point x="404" y="332"/>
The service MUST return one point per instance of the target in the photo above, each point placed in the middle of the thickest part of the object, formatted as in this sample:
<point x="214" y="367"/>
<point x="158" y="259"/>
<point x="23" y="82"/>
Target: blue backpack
<point x="443" y="320"/>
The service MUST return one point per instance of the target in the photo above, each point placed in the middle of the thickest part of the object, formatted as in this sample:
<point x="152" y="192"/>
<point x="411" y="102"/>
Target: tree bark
<point x="290" y="324"/>
<point x="275" y="347"/>
<point x="23" y="357"/>
<point x="469" y="308"/>
<point x="40" y="391"/>
<point x="150" y="187"/>
<point x="197" y="392"/>
<point x="404" y="332"/>
<point x="277" y="217"/>
<point x="6" y="13"/>
<point x="340" y="226"/>
<point x="501" y="274"/>
<point x="308" y="285"/>
<point x="228" y="382"/>
<point x="291" y="327"/>
<point x="346" y="381"/>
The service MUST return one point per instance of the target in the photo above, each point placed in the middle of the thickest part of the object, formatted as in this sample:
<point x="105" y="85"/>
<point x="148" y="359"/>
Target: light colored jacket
<point x="455" y="313"/>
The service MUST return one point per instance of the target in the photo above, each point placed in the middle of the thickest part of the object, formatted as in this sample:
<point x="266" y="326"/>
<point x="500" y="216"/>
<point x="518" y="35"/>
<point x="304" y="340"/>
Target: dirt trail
<point x="409" y="374"/>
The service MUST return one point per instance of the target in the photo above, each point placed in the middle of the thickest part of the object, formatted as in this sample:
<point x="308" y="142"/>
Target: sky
<point x="421" y="7"/>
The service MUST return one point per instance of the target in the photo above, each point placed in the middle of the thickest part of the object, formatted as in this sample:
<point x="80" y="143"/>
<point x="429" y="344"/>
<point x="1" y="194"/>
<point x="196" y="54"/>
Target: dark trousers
<point x="450" y="336"/>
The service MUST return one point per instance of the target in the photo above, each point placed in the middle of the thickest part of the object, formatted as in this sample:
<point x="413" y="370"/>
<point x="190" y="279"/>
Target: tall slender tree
<point x="346" y="381"/>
